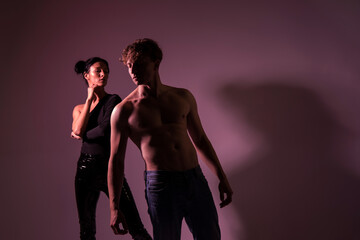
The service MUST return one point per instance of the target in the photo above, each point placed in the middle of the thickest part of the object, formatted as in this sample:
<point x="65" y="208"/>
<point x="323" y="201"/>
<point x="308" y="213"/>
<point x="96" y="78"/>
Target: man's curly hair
<point x="141" y="48"/>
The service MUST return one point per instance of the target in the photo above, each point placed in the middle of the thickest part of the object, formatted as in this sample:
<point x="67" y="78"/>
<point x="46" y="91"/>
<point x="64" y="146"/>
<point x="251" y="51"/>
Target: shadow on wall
<point x="296" y="189"/>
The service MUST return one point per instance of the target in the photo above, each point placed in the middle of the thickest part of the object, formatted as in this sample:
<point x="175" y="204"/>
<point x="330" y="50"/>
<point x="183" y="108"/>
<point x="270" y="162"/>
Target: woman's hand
<point x="74" y="136"/>
<point x="91" y="90"/>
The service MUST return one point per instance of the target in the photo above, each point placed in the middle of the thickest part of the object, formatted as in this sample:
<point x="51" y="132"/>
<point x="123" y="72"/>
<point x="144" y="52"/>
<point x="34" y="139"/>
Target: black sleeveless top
<point x="96" y="139"/>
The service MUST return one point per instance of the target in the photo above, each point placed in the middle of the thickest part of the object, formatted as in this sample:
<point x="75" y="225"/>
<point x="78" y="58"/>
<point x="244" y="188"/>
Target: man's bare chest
<point x="153" y="113"/>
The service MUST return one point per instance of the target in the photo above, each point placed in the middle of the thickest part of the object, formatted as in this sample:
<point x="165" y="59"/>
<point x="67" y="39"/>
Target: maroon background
<point x="277" y="87"/>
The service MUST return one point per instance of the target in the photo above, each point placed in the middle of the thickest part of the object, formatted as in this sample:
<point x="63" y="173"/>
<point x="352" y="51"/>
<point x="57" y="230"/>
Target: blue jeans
<point x="172" y="196"/>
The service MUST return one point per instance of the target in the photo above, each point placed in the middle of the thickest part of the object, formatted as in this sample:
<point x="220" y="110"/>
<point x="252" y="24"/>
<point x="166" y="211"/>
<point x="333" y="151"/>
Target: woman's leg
<point x="86" y="199"/>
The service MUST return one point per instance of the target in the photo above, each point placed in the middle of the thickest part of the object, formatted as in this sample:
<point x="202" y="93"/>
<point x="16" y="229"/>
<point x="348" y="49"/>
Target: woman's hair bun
<point x="80" y="67"/>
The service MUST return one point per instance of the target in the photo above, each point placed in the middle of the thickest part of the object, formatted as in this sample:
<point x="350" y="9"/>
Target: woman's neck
<point x="100" y="93"/>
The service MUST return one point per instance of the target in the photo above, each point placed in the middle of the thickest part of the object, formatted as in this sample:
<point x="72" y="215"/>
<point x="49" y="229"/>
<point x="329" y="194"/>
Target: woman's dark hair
<point x="82" y="67"/>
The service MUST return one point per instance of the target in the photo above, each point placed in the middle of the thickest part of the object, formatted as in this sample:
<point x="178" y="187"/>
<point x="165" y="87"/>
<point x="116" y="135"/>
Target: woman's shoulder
<point x="78" y="108"/>
<point x="114" y="97"/>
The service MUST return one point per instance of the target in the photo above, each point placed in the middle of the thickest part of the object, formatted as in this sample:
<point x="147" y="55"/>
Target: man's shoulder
<point x="125" y="105"/>
<point x="185" y="95"/>
<point x="179" y="91"/>
<point x="130" y="99"/>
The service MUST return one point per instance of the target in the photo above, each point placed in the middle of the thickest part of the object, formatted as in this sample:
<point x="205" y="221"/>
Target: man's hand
<point x="224" y="188"/>
<point x="115" y="219"/>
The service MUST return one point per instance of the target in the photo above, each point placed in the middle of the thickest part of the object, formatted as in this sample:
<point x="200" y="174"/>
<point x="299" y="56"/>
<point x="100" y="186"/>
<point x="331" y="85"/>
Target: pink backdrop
<point x="277" y="87"/>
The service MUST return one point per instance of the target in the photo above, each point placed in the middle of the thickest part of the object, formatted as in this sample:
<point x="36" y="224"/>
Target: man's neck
<point x="153" y="89"/>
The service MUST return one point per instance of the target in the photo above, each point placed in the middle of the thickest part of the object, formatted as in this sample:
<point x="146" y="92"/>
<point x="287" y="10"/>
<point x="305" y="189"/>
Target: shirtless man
<point x="163" y="122"/>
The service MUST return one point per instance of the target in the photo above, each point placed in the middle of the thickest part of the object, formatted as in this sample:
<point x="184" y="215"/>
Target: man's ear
<point x="157" y="64"/>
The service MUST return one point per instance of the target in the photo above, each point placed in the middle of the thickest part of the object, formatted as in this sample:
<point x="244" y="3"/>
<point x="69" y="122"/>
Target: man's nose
<point x="132" y="70"/>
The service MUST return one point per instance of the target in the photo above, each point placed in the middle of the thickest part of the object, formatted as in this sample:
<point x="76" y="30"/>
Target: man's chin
<point x="139" y="82"/>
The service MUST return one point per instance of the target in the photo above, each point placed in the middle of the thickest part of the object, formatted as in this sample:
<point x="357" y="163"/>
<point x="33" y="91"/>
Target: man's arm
<point x="206" y="151"/>
<point x="118" y="141"/>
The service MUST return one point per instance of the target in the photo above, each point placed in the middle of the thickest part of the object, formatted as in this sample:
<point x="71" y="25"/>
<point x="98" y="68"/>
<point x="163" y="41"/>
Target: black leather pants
<point x="91" y="178"/>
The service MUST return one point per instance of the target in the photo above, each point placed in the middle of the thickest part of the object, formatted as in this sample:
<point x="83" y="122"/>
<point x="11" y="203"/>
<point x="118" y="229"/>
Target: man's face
<point x="142" y="70"/>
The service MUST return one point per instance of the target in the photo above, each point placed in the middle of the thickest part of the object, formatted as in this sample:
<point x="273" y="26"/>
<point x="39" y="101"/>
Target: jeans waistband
<point x="194" y="172"/>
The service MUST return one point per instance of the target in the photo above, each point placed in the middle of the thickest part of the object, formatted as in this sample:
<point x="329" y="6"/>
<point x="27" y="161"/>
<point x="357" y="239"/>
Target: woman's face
<point x="97" y="75"/>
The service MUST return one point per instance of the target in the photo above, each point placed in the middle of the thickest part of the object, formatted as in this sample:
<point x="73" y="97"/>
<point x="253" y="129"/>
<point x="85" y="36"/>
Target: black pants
<point x="91" y="178"/>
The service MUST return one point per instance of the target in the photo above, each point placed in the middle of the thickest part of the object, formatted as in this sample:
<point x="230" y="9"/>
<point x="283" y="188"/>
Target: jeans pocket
<point x="157" y="185"/>
<point x="157" y="191"/>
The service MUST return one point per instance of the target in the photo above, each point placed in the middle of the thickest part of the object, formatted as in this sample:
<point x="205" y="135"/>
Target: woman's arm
<point x="81" y="115"/>
<point x="80" y="118"/>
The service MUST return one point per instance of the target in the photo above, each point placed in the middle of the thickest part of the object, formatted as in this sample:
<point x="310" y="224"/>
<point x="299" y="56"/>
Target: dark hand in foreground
<point x="116" y="219"/>
<point x="225" y="189"/>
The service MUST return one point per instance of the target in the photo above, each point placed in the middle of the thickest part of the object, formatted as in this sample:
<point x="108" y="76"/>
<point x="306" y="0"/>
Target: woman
<point x="91" y="124"/>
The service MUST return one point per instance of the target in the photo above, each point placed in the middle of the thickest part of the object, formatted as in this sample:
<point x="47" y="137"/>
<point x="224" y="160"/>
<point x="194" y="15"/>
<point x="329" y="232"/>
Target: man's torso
<point x="158" y="126"/>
